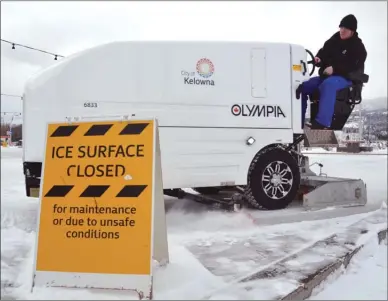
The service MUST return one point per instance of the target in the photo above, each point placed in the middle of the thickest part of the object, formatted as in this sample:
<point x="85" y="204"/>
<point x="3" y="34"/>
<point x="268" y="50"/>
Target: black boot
<point x="298" y="91"/>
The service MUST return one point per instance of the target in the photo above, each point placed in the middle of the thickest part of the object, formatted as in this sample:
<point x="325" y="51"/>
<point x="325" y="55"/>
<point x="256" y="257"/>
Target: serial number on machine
<point x="90" y="105"/>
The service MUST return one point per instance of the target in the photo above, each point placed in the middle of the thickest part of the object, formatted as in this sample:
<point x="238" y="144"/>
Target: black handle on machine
<point x="304" y="66"/>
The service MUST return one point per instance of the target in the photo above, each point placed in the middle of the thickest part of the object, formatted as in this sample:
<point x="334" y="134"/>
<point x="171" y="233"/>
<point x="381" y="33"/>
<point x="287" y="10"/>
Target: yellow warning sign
<point x="297" y="67"/>
<point x="97" y="198"/>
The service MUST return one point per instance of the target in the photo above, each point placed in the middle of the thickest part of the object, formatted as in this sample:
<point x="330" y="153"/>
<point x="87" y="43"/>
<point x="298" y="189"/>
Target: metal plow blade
<point x="321" y="191"/>
<point x="320" y="138"/>
<point x="329" y="191"/>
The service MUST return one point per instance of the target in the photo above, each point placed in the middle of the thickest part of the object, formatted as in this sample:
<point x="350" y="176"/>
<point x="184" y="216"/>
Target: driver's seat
<point x="347" y="98"/>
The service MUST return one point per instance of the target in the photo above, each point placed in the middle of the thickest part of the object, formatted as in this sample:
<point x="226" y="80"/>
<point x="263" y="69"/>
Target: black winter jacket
<point x="344" y="56"/>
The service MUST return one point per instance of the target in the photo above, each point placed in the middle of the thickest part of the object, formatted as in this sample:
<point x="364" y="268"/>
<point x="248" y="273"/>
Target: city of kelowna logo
<point x="205" y="69"/>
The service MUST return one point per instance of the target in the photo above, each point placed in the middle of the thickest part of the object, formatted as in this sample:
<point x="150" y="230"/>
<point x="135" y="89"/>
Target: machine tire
<point x="207" y="190"/>
<point x="255" y="194"/>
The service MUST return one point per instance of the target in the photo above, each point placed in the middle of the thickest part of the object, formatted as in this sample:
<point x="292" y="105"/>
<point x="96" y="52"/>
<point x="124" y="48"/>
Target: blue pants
<point x="327" y="89"/>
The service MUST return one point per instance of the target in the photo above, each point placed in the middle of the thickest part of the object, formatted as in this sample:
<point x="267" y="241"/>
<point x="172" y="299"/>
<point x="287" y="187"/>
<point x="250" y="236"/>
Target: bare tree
<point x="17" y="132"/>
<point x="4" y="128"/>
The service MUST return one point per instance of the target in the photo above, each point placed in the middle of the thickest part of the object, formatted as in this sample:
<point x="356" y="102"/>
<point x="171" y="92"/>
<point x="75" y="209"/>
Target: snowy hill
<point x="375" y="103"/>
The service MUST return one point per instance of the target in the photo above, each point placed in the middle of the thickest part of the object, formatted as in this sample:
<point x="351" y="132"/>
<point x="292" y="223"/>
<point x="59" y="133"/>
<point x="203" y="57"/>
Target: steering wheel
<point x="312" y="62"/>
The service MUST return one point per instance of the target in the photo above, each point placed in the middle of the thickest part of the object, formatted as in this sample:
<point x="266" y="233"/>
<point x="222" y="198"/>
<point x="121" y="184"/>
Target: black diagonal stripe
<point x="131" y="191"/>
<point x="59" y="190"/>
<point x="64" y="131"/>
<point x="94" y="191"/>
<point x="134" y="128"/>
<point x="98" y="130"/>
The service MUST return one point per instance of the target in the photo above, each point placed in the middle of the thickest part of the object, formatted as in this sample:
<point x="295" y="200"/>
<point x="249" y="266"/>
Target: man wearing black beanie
<point x="342" y="54"/>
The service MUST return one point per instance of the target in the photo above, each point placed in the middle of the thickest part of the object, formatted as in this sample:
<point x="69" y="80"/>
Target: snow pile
<point x="364" y="279"/>
<point x="183" y="278"/>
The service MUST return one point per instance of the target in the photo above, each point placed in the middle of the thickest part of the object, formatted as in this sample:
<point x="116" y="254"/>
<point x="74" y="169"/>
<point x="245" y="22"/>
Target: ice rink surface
<point x="207" y="248"/>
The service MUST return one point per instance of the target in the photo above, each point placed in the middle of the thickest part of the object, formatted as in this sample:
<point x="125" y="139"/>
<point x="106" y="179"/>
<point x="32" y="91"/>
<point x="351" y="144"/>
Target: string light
<point x="19" y="114"/>
<point x="32" y="48"/>
<point x="12" y="95"/>
<point x="13" y="113"/>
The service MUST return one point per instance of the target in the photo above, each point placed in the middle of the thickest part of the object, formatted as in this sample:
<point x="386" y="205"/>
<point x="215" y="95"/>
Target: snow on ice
<point x="365" y="278"/>
<point x="208" y="249"/>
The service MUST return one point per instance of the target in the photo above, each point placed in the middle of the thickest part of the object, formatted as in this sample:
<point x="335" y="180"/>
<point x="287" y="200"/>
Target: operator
<point x="342" y="54"/>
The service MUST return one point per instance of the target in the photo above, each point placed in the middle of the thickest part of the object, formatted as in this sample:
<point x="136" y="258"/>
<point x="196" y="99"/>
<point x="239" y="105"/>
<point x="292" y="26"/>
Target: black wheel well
<point x="272" y="145"/>
<point x="254" y="159"/>
<point x="268" y="146"/>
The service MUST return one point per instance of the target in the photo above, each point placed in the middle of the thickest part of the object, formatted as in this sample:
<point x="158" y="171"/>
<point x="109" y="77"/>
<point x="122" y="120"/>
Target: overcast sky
<point x="68" y="27"/>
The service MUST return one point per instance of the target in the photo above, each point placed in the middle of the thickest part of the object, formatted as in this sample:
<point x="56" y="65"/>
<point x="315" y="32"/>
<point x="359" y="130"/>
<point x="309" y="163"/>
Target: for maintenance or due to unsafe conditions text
<point x="91" y="227"/>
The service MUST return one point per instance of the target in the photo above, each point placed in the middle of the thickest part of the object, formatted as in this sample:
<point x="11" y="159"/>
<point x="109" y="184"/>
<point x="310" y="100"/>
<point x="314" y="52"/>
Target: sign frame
<point x="141" y="284"/>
